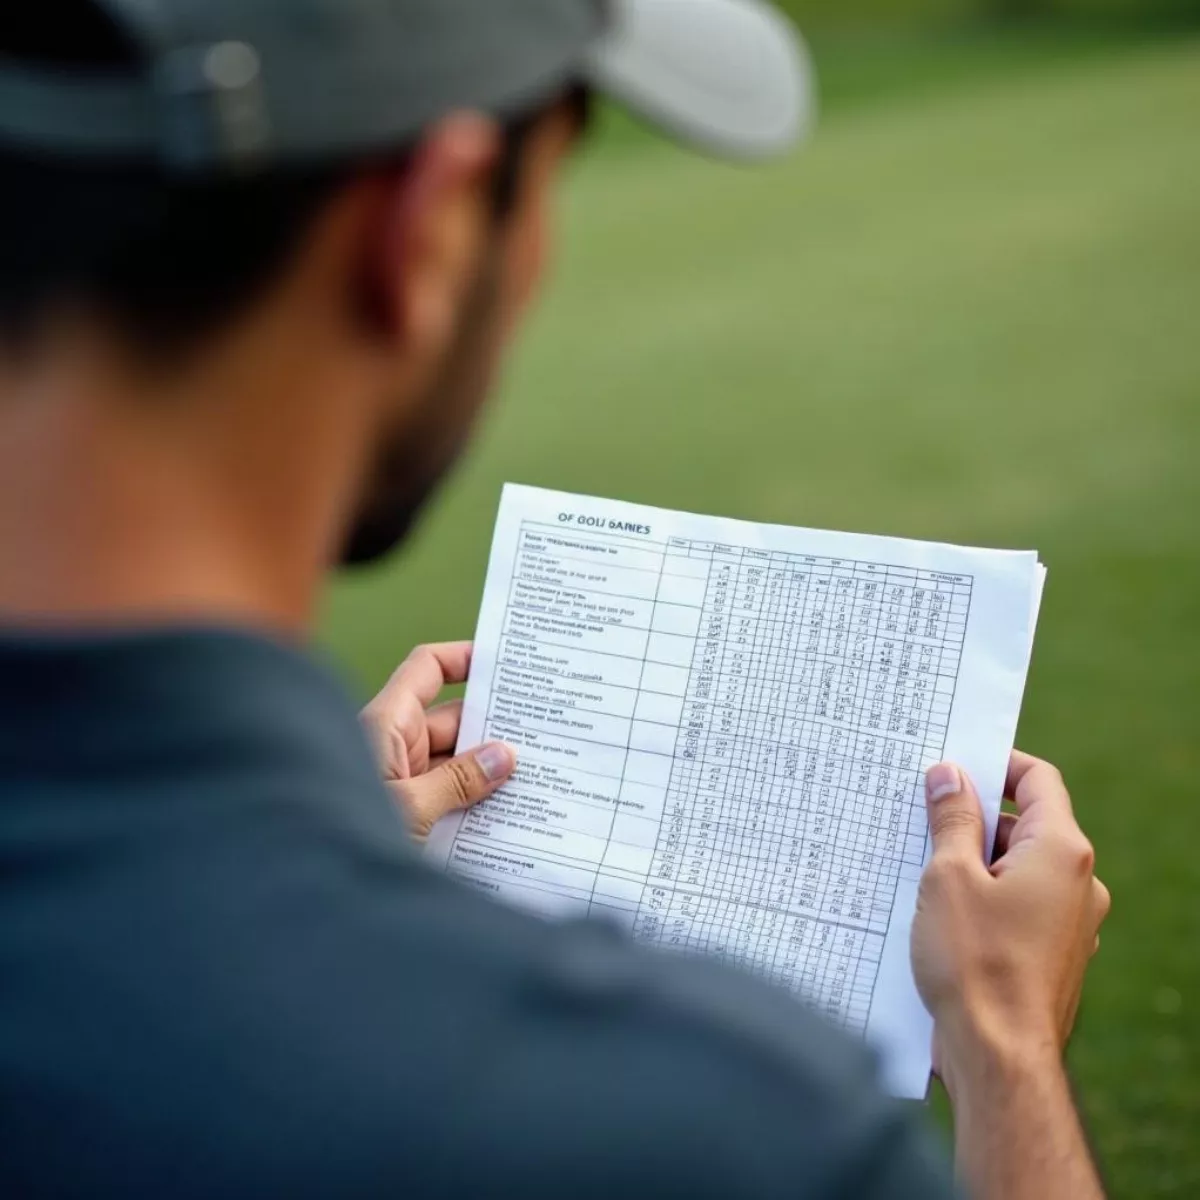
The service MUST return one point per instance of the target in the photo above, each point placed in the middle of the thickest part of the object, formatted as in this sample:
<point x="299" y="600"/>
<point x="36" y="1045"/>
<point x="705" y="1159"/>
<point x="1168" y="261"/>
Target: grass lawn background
<point x="971" y="311"/>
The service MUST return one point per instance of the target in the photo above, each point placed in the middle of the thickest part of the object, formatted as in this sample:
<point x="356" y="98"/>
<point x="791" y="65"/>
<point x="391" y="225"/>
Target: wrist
<point x="981" y="1056"/>
<point x="1016" y="1129"/>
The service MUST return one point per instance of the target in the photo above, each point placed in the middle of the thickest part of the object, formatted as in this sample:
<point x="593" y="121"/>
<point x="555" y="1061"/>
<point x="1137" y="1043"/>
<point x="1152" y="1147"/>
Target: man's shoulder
<point x="592" y="970"/>
<point x="320" y="1013"/>
<point x="588" y="1055"/>
<point x="261" y="967"/>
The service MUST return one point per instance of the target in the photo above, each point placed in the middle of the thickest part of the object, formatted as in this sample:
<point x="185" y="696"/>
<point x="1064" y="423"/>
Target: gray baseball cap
<point x="242" y="84"/>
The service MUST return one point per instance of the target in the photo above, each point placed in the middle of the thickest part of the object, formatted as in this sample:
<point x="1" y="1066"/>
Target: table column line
<point x="895" y="887"/>
<point x="629" y="741"/>
<point x="785" y="663"/>
<point x="696" y="930"/>
<point x="650" y="878"/>
<point x="713" y="884"/>
<point x="839" y="791"/>
<point x="859" y="755"/>
<point x="750" y="732"/>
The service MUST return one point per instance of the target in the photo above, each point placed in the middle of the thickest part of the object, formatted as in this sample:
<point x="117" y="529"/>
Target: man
<point x="258" y="262"/>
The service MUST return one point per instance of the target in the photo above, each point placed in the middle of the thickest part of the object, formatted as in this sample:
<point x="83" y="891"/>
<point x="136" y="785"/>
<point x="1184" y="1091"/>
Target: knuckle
<point x="956" y="821"/>
<point x="1082" y="855"/>
<point x="1054" y="775"/>
<point x="418" y="656"/>
<point x="1074" y="852"/>
<point x="1046" y="777"/>
<point x="460" y="783"/>
<point x="1047" y="771"/>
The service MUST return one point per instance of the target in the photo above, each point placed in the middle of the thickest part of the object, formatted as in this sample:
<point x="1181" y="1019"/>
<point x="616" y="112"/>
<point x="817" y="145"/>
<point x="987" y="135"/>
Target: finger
<point x="459" y="783"/>
<point x="1004" y="832"/>
<point x="389" y="723"/>
<point x="1101" y="901"/>
<point x="955" y="814"/>
<point x="427" y="670"/>
<point x="1037" y="787"/>
<point x="442" y="725"/>
<point x="1019" y="765"/>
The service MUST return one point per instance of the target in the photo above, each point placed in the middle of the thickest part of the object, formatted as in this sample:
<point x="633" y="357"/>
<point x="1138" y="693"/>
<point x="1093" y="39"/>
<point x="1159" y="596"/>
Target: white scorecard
<point x="723" y="730"/>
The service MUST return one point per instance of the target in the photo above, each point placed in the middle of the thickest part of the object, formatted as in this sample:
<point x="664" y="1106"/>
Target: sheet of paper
<point x="723" y="729"/>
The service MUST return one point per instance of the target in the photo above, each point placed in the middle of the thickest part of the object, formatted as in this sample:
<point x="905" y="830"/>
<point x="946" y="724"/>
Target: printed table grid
<point x="793" y="701"/>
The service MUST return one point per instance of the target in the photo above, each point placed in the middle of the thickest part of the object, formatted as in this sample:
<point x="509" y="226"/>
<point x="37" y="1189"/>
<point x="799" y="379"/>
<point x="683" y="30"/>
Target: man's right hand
<point x="1000" y="955"/>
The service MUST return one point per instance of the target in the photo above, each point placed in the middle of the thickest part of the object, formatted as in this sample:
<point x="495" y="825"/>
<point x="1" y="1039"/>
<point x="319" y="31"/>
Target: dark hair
<point x="167" y="261"/>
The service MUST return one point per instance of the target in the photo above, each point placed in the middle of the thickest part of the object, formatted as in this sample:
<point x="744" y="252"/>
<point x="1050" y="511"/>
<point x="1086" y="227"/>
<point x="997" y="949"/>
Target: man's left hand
<point x="414" y="740"/>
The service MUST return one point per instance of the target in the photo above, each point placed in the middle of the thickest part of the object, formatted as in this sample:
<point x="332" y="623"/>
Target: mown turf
<point x="969" y="312"/>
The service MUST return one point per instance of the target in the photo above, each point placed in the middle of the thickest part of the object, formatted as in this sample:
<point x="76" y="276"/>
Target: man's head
<point x="304" y="231"/>
<point x="433" y="250"/>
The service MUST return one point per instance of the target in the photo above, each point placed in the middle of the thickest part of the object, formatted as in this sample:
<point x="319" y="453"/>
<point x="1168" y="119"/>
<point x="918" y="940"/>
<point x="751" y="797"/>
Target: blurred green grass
<point x="971" y="311"/>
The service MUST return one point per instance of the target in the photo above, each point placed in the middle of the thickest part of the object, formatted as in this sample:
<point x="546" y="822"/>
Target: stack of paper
<point x="723" y="731"/>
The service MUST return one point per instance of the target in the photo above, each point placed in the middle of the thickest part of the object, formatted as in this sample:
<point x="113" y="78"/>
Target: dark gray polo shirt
<point x="224" y="972"/>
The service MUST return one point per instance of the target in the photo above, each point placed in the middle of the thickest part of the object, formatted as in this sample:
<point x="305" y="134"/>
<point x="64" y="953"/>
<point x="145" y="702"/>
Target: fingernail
<point x="943" y="780"/>
<point x="496" y="761"/>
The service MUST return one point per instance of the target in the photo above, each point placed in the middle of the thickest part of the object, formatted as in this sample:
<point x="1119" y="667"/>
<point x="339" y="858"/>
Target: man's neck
<point x="115" y="511"/>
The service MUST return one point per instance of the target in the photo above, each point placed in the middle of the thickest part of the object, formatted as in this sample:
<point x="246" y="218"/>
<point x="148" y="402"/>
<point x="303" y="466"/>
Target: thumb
<point x="955" y="814"/>
<point x="460" y="783"/>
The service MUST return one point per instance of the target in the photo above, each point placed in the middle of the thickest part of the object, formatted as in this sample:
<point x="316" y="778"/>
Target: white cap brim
<point x="731" y="77"/>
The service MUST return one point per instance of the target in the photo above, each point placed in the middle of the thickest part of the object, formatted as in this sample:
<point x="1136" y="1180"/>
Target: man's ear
<point x="436" y="216"/>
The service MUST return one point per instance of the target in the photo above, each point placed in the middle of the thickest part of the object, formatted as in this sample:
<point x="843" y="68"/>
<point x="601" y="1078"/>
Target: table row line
<point x="565" y="770"/>
<point x="558" y="659"/>
<point x="649" y="740"/>
<point x="840" y="900"/>
<point x="821" y="702"/>
<point x="862" y="825"/>
<point x="653" y="556"/>
<point x="637" y="822"/>
<point x="539" y="583"/>
<point x="932" y="660"/>
<point x="628" y="845"/>
<point x="673" y="624"/>
<point x="551" y="576"/>
<point x="635" y="791"/>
